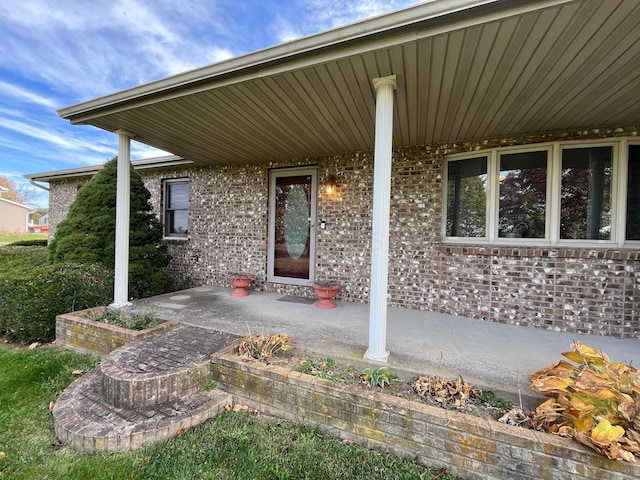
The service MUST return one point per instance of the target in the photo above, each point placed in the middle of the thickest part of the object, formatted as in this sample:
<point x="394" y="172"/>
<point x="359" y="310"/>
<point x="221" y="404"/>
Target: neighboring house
<point x="14" y="217"/>
<point x="483" y="159"/>
<point x="44" y="219"/>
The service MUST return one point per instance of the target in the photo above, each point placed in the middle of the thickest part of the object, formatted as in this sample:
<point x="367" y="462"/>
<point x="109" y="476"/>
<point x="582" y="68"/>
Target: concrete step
<point x="87" y="423"/>
<point x="161" y="369"/>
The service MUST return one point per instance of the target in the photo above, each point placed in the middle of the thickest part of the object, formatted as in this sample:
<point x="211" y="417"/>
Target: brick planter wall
<point x="466" y="445"/>
<point x="83" y="335"/>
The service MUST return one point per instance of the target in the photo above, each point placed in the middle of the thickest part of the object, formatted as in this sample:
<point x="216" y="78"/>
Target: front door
<point x="292" y="219"/>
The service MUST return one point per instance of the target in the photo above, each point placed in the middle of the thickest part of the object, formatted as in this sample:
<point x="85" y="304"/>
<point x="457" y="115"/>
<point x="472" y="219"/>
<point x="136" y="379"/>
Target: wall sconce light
<point x="331" y="187"/>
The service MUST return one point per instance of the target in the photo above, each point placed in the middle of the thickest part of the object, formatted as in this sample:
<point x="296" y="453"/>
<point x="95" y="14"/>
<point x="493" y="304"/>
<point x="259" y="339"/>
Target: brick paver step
<point x="161" y="369"/>
<point x="84" y="421"/>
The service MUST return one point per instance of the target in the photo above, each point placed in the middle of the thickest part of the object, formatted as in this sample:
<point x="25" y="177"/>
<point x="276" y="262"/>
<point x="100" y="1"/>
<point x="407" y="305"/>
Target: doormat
<point x="294" y="299"/>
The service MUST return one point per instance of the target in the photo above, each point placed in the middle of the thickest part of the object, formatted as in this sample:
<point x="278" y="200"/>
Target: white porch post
<point x="381" y="210"/>
<point x="123" y="207"/>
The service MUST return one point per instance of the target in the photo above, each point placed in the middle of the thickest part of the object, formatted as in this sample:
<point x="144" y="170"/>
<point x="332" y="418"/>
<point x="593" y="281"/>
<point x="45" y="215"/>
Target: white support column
<point x="123" y="208"/>
<point x="381" y="211"/>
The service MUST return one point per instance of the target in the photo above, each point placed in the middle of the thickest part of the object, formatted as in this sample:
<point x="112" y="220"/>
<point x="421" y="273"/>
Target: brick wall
<point x="83" y="335"/>
<point x="466" y="445"/>
<point x="582" y="291"/>
<point x="62" y="193"/>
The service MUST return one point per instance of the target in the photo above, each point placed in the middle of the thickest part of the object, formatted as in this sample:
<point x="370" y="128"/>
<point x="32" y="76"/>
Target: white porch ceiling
<point x="493" y="69"/>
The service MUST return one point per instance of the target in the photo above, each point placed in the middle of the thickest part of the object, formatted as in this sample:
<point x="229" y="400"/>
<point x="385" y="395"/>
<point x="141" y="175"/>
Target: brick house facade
<point x="485" y="153"/>
<point x="594" y="290"/>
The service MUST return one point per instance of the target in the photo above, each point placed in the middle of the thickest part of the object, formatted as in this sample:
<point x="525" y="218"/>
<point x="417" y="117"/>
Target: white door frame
<point x="292" y="172"/>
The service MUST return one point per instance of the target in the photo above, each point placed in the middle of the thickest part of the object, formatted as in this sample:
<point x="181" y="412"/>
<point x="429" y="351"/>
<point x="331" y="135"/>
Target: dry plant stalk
<point x="263" y="348"/>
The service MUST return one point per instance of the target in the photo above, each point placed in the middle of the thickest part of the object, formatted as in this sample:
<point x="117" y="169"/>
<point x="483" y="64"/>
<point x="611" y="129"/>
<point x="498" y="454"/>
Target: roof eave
<point x="254" y="62"/>
<point x="156" y="163"/>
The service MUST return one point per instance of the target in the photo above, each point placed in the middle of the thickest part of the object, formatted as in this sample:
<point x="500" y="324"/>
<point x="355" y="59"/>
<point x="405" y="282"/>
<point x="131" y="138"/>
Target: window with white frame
<point x="633" y="194"/>
<point x="467" y="197"/>
<point x="551" y="194"/>
<point x="176" y="208"/>
<point x="522" y="196"/>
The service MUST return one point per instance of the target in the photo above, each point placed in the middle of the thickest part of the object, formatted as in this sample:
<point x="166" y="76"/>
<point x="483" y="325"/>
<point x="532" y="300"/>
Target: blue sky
<point x="56" y="53"/>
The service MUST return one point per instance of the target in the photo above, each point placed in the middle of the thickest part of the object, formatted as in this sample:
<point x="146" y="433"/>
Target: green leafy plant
<point x="378" y="377"/>
<point x="328" y="369"/>
<point x="263" y="348"/>
<point x="492" y="400"/>
<point x="128" y="318"/>
<point x="596" y="402"/>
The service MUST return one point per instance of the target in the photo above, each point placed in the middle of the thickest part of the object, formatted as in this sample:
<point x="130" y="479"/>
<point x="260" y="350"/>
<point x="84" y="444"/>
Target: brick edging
<point x="84" y="335"/>
<point x="464" y="444"/>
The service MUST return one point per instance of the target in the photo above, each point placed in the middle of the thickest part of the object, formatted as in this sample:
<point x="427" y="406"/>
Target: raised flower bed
<point x="80" y="332"/>
<point x="466" y="445"/>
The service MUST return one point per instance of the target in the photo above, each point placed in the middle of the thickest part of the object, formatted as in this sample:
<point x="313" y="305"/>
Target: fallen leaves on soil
<point x="454" y="394"/>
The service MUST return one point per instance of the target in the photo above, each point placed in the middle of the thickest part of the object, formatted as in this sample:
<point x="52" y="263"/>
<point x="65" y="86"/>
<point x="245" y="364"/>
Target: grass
<point x="236" y="445"/>
<point x="14" y="237"/>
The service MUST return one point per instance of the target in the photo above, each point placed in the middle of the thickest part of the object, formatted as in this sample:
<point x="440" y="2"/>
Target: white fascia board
<point x="315" y="49"/>
<point x="144" y="164"/>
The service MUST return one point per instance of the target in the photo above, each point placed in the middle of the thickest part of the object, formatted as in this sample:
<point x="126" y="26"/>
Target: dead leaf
<point x="605" y="433"/>
<point x="52" y="405"/>
<point x="77" y="373"/>
<point x="34" y="345"/>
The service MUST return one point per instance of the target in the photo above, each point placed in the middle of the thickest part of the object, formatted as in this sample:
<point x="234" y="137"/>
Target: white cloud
<point x="48" y="136"/>
<point x="140" y="150"/>
<point x="323" y="15"/>
<point x="25" y="95"/>
<point x="87" y="49"/>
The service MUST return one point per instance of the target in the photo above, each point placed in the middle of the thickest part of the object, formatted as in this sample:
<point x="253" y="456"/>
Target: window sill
<point x="175" y="239"/>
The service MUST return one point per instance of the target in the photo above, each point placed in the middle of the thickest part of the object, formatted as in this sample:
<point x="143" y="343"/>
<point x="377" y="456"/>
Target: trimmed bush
<point x="34" y="242"/>
<point x="14" y="257"/>
<point x="30" y="298"/>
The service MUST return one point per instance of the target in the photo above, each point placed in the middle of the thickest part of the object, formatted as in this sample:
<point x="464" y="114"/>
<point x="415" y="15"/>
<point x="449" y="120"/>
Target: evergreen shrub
<point x="88" y="233"/>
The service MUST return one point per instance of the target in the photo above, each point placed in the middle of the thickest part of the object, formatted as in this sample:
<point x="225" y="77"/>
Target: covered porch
<point x="440" y="78"/>
<point x="494" y="356"/>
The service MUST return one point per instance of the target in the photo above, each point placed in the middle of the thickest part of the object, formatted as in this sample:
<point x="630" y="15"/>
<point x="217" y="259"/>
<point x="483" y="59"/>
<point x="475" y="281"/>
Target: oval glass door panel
<point x="292" y="228"/>
<point x="296" y="221"/>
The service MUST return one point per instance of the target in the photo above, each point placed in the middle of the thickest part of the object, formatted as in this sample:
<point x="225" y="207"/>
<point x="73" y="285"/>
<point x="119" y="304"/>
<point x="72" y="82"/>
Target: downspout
<point x="35" y="184"/>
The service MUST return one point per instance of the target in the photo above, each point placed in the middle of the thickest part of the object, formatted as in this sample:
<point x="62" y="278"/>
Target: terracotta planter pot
<point x="240" y="283"/>
<point x="326" y="294"/>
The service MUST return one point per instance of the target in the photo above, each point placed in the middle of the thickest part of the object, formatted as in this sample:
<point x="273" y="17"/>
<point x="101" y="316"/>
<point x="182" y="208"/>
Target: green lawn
<point x="230" y="446"/>
<point x="14" y="237"/>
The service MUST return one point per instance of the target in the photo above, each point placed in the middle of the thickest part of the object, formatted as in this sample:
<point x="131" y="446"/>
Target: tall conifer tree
<point x="88" y="233"/>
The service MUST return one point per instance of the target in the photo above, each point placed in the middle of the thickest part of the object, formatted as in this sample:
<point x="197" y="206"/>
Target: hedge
<point x="31" y="296"/>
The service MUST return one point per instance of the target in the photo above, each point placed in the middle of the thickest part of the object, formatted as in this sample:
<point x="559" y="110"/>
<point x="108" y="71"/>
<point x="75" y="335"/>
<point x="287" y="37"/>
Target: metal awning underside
<point x="465" y="70"/>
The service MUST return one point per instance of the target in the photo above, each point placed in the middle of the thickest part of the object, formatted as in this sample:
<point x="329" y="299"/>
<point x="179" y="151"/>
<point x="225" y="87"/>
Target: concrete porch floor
<point x="491" y="356"/>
